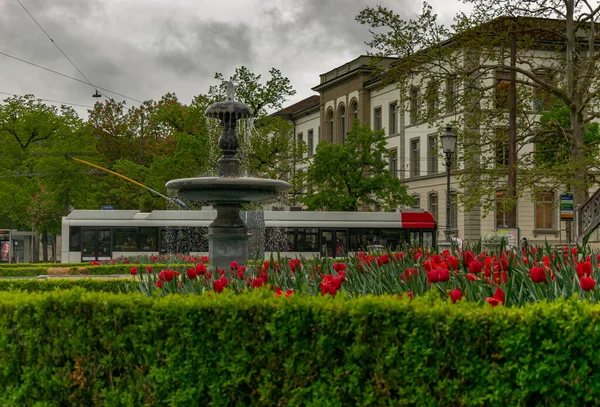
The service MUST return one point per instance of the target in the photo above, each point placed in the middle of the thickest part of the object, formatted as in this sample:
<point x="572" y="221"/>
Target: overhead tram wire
<point x="49" y="100"/>
<point x="54" y="42"/>
<point x="68" y="76"/>
<point x="96" y="94"/>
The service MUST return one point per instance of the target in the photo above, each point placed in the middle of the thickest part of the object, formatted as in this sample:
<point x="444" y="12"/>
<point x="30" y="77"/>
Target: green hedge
<point x="77" y="348"/>
<point x="121" y="285"/>
<point x="21" y="265"/>
<point x="105" y="269"/>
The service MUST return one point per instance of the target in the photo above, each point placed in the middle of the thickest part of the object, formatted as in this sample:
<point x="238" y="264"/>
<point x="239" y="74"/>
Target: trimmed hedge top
<point x="82" y="348"/>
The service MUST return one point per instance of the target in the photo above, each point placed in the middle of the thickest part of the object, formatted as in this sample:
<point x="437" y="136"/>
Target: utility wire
<point x="50" y="100"/>
<point x="67" y="76"/>
<point x="53" y="42"/>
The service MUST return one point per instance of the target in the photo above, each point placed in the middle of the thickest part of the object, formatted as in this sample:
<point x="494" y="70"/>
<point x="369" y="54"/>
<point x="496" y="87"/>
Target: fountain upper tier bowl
<point x="214" y="190"/>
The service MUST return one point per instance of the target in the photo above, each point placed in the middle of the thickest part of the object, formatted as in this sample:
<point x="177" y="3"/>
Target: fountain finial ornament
<point x="230" y="90"/>
<point x="228" y="235"/>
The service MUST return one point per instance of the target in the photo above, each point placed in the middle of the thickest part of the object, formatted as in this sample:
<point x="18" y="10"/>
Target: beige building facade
<point x="349" y="92"/>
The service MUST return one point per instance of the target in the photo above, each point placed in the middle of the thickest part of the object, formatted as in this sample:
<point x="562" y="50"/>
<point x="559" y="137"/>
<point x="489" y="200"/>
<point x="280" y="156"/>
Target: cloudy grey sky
<point x="146" y="48"/>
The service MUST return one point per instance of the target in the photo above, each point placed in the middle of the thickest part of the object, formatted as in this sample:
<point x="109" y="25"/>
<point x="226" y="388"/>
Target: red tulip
<point x="587" y="283"/>
<point x="166" y="275"/>
<point x="497" y="299"/>
<point x="200" y="268"/>
<point x="538" y="275"/>
<point x="191" y="272"/>
<point x="584" y="268"/>
<point x="443" y="274"/>
<point x="432" y="276"/>
<point x="471" y="277"/>
<point x="452" y="262"/>
<point x="475" y="267"/>
<point x="339" y="267"/>
<point x="455" y="295"/>
<point x="220" y="284"/>
<point x="133" y="270"/>
<point x="234" y="265"/>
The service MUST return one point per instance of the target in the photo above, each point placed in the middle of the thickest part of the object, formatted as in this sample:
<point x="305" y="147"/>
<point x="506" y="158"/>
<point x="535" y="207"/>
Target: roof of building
<point x="304" y="104"/>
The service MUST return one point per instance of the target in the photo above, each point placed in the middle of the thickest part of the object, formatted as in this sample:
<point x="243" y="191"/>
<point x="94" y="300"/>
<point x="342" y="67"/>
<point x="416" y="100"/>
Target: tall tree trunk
<point x="45" y="246"/>
<point x="53" y="248"/>
<point x="578" y="156"/>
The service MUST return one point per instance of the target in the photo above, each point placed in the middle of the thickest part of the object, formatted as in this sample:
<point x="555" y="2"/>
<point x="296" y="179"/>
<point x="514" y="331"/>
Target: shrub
<point x="74" y="348"/>
<point x="105" y="285"/>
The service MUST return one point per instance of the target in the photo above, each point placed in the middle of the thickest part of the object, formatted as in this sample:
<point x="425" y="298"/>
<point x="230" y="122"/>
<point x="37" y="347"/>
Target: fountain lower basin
<point x="217" y="190"/>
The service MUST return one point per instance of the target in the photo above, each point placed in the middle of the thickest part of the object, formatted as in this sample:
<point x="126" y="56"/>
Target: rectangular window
<point x="501" y="210"/>
<point x="393" y="129"/>
<point x="75" y="239"/>
<point x="451" y="94"/>
<point x="414" y="105"/>
<point x="415" y="157"/>
<point x="502" y="89"/>
<point x="432" y="99"/>
<point x="501" y="147"/>
<point x="310" y="142"/>
<point x="453" y="211"/>
<point x="125" y="239"/>
<point x="541" y="98"/>
<point x="432" y="157"/>
<point x="377" y="124"/>
<point x="149" y="239"/>
<point x="433" y="205"/>
<point x="300" y="141"/>
<point x="544" y="211"/>
<point x="393" y="165"/>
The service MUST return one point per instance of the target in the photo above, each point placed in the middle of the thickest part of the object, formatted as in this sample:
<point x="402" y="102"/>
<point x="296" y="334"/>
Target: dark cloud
<point x="145" y="49"/>
<point x="202" y="47"/>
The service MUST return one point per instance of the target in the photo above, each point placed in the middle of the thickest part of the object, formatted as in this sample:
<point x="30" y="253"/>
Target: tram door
<point x="96" y="244"/>
<point x="334" y="242"/>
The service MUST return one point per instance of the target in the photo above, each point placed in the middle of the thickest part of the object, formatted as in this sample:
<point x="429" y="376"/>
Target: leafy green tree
<point x="38" y="184"/>
<point x="472" y="51"/>
<point x="352" y="175"/>
<point x="165" y="140"/>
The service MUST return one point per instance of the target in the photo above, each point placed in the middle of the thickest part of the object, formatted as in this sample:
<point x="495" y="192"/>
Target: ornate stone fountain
<point x="228" y="235"/>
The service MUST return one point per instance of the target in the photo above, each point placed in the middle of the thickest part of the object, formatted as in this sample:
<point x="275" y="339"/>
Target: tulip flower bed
<point x="501" y="278"/>
<point x="75" y="348"/>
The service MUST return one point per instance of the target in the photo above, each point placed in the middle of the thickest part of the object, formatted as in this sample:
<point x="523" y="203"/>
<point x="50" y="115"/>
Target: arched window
<point x="416" y="201"/>
<point x="330" y="125"/>
<point x="354" y="110"/>
<point x="342" y="124"/>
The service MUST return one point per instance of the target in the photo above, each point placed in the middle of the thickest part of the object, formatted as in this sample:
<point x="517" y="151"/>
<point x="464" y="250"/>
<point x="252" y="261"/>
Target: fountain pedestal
<point x="227" y="237"/>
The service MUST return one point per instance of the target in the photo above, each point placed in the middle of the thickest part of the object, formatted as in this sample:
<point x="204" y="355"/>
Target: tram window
<point x="415" y="238"/>
<point x="125" y="239"/>
<point x="358" y="239"/>
<point x="427" y="239"/>
<point x="307" y="240"/>
<point x="148" y="239"/>
<point x="75" y="239"/>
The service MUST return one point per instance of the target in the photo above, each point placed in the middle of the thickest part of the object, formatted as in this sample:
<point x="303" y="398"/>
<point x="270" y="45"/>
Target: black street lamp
<point x="448" y="145"/>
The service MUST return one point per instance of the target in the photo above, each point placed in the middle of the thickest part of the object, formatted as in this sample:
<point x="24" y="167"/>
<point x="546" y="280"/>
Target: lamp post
<point x="448" y="145"/>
